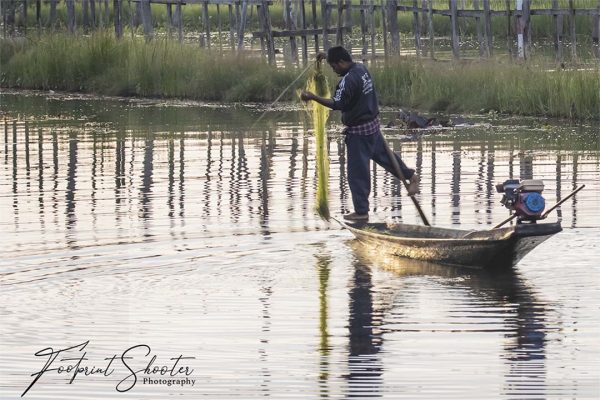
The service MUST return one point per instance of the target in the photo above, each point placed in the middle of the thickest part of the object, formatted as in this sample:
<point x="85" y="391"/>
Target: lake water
<point x="187" y="232"/>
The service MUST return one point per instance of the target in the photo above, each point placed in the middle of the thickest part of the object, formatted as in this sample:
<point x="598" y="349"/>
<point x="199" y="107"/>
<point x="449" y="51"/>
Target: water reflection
<point x="496" y="301"/>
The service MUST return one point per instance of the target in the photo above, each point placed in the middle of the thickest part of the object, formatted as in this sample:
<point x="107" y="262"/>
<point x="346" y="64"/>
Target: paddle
<point x="402" y="178"/>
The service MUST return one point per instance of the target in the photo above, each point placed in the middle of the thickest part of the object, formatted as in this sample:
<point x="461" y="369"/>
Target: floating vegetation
<point x="317" y="84"/>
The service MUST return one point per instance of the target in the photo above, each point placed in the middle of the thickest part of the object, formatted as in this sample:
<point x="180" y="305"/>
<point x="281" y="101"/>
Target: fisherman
<point x="355" y="97"/>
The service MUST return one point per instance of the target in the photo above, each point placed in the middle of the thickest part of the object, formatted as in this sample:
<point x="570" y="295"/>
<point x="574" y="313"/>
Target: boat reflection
<point x="504" y="296"/>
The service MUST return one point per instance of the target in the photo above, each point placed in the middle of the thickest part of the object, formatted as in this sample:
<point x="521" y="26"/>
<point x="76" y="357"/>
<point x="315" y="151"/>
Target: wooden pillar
<point x="206" y="23"/>
<point x="242" y="26"/>
<point x="304" y="38"/>
<point x="179" y="19"/>
<point x="454" y="28"/>
<point x="93" y="13"/>
<point x="558" y="24"/>
<point x="363" y="30"/>
<point x="118" y="16"/>
<point x="231" y="27"/>
<point x="219" y="27"/>
<point x="596" y="32"/>
<point x="291" y="26"/>
<point x="372" y="27"/>
<point x="339" y="36"/>
<point x="384" y="29"/>
<point x="170" y="21"/>
<point x="147" y="19"/>
<point x="267" y="33"/>
<point x="508" y="30"/>
<point x="24" y="16"/>
<point x="573" y="30"/>
<point x="38" y="15"/>
<point x="522" y="26"/>
<point x="417" y="28"/>
<point x="348" y="26"/>
<point x="325" y="15"/>
<point x="315" y="23"/>
<point x="480" y="40"/>
<point x="431" y="31"/>
<point x="85" y="11"/>
<point x="487" y="21"/>
<point x="393" y="26"/>
<point x="70" y="4"/>
<point x="53" y="13"/>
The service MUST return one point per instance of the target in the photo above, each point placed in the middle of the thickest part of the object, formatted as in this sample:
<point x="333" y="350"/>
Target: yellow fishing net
<point x="317" y="83"/>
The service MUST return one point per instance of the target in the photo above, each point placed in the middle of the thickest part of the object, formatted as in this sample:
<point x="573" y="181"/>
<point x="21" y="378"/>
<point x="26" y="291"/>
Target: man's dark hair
<point x="337" y="54"/>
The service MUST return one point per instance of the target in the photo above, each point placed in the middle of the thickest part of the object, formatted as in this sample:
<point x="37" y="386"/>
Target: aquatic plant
<point x="317" y="84"/>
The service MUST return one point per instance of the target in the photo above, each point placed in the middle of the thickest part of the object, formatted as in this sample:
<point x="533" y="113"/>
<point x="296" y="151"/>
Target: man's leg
<point x="359" y="174"/>
<point x="380" y="156"/>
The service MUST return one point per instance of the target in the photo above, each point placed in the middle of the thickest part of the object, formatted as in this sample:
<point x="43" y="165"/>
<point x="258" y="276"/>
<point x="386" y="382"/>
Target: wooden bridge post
<point x="70" y="4"/>
<point x="206" y="22"/>
<point x="417" y="28"/>
<point x="118" y="16"/>
<point x="179" y="20"/>
<point x="93" y="13"/>
<point x="487" y="21"/>
<point x="384" y="29"/>
<point x="508" y="30"/>
<point x="315" y="23"/>
<point x="325" y="17"/>
<point x="372" y="27"/>
<point x="454" y="26"/>
<point x="431" y="30"/>
<point x="52" y="16"/>
<point x="304" y="38"/>
<point x="85" y="11"/>
<point x="558" y="24"/>
<point x="480" y="41"/>
<point x="231" y="27"/>
<point x="147" y="19"/>
<point x="170" y="21"/>
<point x="596" y="32"/>
<point x="393" y="26"/>
<point x="290" y="25"/>
<point x="339" y="36"/>
<point x="263" y="11"/>
<point x="363" y="30"/>
<point x="573" y="30"/>
<point x="242" y="25"/>
<point x="38" y="15"/>
<point x="522" y="26"/>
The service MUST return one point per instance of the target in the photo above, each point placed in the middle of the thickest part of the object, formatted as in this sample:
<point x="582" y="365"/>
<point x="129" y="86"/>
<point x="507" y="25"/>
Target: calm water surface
<point x="185" y="228"/>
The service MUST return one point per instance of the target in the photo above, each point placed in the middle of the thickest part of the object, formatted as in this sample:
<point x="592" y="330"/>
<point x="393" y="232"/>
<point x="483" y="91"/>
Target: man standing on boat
<point x="355" y="97"/>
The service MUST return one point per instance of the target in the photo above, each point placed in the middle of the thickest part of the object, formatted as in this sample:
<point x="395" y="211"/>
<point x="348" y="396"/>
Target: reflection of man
<point x="355" y="97"/>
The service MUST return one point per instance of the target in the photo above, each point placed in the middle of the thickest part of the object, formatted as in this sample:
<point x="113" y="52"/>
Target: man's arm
<point x="307" y="96"/>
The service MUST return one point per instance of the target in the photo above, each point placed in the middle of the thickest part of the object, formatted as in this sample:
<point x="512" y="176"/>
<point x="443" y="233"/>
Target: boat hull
<point x="495" y="248"/>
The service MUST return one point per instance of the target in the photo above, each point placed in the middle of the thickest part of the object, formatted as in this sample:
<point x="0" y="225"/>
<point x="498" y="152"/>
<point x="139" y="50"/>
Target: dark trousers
<point x="361" y="150"/>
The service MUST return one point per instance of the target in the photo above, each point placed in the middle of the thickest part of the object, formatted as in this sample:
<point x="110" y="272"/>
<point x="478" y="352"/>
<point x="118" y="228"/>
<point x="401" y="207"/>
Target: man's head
<point x="339" y="59"/>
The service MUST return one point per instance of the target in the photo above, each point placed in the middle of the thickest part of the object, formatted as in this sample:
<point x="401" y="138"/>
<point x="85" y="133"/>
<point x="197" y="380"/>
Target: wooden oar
<point x="402" y="178"/>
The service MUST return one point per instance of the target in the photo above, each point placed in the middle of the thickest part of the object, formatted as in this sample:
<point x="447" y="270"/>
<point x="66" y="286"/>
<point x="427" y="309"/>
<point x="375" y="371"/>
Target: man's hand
<point x="306" y="96"/>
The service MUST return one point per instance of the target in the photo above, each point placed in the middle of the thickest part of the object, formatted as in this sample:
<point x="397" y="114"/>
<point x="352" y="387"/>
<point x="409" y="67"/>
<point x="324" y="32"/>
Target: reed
<point x="133" y="67"/>
<point x="163" y="68"/>
<point x="532" y="88"/>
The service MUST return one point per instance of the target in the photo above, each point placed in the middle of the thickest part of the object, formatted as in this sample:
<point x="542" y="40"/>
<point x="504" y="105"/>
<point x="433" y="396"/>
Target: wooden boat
<point x="494" y="248"/>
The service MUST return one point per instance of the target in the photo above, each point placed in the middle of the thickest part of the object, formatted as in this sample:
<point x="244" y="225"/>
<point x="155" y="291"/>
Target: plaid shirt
<point x="365" y="129"/>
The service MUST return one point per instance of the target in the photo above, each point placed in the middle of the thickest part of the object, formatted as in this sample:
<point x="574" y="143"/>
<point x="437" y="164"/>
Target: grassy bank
<point x="161" y="68"/>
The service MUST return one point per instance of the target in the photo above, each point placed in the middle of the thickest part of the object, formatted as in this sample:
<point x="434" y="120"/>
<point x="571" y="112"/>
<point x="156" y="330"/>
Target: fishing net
<point x="317" y="84"/>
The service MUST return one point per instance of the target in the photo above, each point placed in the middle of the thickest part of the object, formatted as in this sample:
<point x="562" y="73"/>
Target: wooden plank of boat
<point x="494" y="248"/>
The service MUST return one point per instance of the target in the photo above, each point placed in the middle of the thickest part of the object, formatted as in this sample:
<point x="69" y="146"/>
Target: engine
<point x="524" y="198"/>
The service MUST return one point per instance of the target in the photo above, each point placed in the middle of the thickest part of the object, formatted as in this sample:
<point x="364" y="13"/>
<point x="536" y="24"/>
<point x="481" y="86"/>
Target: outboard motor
<point x="524" y="197"/>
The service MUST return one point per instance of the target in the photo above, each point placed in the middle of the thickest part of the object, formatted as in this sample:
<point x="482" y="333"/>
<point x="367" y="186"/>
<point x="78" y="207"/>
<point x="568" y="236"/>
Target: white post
<point x="520" y="31"/>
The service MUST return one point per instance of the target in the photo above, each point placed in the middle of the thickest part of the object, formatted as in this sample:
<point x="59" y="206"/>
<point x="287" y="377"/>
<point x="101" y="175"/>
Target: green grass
<point x="162" y="68"/>
<point x="133" y="67"/>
